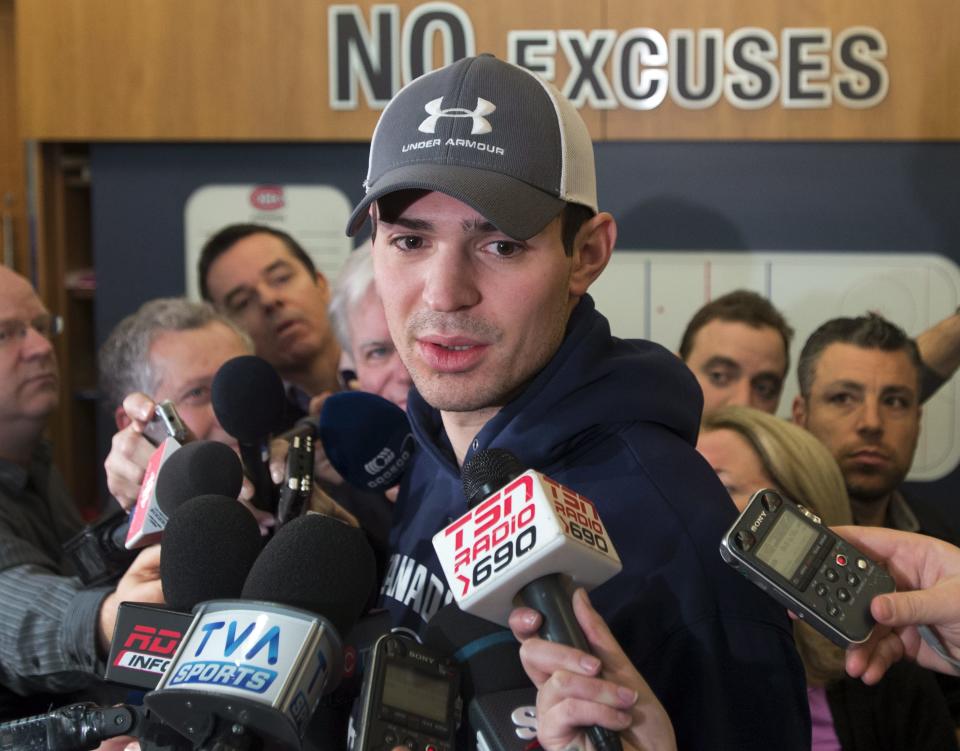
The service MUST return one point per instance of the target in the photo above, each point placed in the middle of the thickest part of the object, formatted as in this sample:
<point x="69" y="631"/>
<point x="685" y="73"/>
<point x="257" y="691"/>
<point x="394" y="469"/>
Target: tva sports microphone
<point x="197" y="468"/>
<point x="251" y="671"/>
<point x="249" y="402"/>
<point x="526" y="537"/>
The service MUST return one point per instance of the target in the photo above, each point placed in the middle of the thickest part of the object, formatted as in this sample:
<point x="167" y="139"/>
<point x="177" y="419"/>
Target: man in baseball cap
<point x="481" y="191"/>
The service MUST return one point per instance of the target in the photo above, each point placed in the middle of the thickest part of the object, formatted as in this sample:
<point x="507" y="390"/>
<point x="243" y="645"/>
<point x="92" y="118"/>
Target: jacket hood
<point x="592" y="380"/>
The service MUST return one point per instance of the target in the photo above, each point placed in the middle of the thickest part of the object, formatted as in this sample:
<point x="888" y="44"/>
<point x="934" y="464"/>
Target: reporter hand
<point x="140" y="583"/>
<point x="130" y="451"/>
<point x="576" y="690"/>
<point x="931" y="569"/>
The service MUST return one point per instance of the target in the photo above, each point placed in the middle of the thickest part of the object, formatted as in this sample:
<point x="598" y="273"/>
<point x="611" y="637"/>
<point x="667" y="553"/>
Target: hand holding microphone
<point x="526" y="538"/>
<point x="578" y="689"/>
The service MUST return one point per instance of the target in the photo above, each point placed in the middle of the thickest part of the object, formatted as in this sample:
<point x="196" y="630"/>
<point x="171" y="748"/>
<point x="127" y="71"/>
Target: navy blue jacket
<point x="617" y="422"/>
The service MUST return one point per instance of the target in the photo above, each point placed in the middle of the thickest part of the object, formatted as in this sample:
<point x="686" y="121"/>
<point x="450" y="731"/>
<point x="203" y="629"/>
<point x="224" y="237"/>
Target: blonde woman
<point x="748" y="450"/>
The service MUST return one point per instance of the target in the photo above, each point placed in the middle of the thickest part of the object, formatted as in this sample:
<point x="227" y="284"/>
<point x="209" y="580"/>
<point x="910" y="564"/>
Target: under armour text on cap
<point x="490" y="134"/>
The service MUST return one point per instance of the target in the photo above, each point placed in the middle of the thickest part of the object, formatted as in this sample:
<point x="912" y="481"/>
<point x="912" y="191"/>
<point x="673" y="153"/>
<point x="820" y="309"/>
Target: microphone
<point x="526" y="537"/>
<point x="209" y="545"/>
<point x="77" y="727"/>
<point x="252" y="671"/>
<point x="367" y="438"/>
<point x="197" y="468"/>
<point x="103" y="551"/>
<point x="143" y="644"/>
<point x="249" y="401"/>
<point x="500" y="699"/>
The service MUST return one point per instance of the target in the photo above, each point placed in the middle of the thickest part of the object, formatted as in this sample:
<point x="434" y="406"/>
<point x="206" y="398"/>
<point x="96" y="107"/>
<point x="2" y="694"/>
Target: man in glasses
<point x="54" y="634"/>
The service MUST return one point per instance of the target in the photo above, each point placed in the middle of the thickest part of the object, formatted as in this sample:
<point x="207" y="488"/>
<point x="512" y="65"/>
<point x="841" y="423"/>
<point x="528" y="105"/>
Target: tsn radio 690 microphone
<point x="249" y="401"/>
<point x="526" y="537"/>
<point x="252" y="671"/>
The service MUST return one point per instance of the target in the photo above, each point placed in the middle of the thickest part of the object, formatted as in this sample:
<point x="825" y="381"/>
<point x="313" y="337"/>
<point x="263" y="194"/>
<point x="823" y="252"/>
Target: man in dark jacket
<point x="482" y="196"/>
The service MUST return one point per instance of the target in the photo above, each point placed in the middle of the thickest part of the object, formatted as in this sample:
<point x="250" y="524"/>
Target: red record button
<point x="841" y="559"/>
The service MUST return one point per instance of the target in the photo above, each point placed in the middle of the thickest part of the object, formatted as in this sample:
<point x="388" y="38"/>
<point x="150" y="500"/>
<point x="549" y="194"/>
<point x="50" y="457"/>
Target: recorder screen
<point x="415" y="692"/>
<point x="786" y="544"/>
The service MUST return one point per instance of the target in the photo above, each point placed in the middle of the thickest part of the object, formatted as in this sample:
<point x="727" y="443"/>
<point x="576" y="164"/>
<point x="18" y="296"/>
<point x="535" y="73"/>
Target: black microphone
<point x="249" y="401"/>
<point x="487" y="472"/>
<point x="209" y="545"/>
<point x="251" y="672"/>
<point x="77" y="727"/>
<point x="499" y="697"/>
<point x="198" y="468"/>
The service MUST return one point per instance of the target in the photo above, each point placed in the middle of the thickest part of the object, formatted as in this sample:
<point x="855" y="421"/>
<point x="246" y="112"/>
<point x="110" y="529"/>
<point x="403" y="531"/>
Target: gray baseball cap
<point x="490" y="134"/>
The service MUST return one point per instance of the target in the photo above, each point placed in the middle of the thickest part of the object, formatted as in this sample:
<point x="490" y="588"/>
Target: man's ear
<point x="799" y="411"/>
<point x="120" y="417"/>
<point x="592" y="249"/>
<point x="323" y="285"/>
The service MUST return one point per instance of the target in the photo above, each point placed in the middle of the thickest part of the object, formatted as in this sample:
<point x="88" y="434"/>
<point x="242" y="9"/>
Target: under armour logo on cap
<point x="480" y="123"/>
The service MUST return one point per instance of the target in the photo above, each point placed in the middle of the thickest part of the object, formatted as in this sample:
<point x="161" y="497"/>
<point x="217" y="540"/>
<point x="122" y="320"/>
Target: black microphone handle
<point x="551" y="597"/>
<point x="118" y="535"/>
<point x="264" y="491"/>
<point x="77" y="727"/>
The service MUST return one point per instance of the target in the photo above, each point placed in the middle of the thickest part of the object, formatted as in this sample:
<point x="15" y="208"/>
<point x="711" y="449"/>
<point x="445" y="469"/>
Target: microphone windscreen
<point x="489" y="654"/>
<point x="366" y="438"/>
<point x="209" y="545"/>
<point x="198" y="468"/>
<point x="248" y="398"/>
<point x="316" y="563"/>
<point x="487" y="471"/>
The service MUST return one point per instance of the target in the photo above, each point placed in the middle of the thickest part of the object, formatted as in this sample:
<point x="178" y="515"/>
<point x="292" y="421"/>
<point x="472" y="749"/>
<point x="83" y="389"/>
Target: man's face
<point x="29" y="379"/>
<point x="272" y="295"/>
<point x="184" y="364"/>
<point x="738" y="364"/>
<point x="474" y="313"/>
<point x="378" y="365"/>
<point x="863" y="406"/>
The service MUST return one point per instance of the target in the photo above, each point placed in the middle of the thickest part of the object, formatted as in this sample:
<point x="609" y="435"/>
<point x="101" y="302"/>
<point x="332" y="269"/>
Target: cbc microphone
<point x="366" y="438"/>
<point x="252" y="671"/>
<point x="249" y="402"/>
<point x="526" y="537"/>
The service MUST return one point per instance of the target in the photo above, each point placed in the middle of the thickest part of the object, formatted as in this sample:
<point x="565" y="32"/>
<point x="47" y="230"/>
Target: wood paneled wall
<point x="258" y="69"/>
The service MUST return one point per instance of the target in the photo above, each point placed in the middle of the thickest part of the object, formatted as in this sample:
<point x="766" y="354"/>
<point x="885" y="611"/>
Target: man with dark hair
<point x="859" y="395"/>
<point x="477" y="174"/>
<point x="54" y="633"/>
<point x="265" y="281"/>
<point x="738" y="347"/>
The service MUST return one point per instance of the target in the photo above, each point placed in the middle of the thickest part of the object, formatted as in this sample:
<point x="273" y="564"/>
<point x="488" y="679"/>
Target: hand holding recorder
<point x="931" y="569"/>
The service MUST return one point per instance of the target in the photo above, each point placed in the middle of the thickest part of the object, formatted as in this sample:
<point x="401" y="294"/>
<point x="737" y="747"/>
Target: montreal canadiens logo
<point x="478" y="115"/>
<point x="267" y="198"/>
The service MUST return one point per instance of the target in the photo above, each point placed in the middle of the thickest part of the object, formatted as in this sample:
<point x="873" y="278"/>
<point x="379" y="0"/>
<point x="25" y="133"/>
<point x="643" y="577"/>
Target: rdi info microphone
<point x="249" y="402"/>
<point x="251" y="671"/>
<point x="526" y="538"/>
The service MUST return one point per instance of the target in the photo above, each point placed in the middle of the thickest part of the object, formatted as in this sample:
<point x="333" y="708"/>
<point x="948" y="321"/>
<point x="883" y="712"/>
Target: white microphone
<point x="530" y="528"/>
<point x="253" y="670"/>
